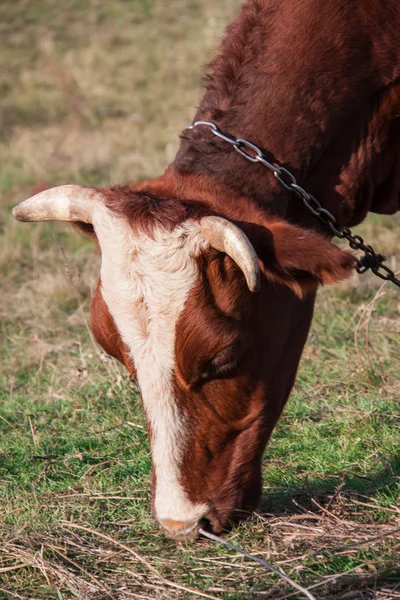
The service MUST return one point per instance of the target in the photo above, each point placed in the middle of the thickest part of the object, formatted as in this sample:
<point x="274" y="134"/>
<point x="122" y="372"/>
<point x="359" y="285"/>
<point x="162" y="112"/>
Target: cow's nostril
<point x="206" y="525"/>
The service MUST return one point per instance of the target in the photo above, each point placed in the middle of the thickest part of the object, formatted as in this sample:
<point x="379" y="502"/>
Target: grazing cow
<point x="209" y="272"/>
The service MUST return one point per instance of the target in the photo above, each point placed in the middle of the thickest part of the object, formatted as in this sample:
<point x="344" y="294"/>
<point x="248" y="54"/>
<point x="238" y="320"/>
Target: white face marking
<point x="145" y="284"/>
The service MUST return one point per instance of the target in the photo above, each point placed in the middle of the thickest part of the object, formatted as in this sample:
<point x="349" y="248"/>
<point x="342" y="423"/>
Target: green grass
<point x="97" y="93"/>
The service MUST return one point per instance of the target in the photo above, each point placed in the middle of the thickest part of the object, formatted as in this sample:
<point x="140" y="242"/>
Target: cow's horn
<point x="227" y="237"/>
<point x="62" y="203"/>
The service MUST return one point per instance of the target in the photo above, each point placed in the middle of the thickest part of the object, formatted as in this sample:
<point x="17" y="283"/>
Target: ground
<point x="97" y="93"/>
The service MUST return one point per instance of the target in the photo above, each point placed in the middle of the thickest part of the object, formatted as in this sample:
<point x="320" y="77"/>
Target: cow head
<point x="210" y="317"/>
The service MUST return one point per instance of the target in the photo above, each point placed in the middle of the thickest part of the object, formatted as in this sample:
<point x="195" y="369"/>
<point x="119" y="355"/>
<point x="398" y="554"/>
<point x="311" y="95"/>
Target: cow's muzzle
<point x="183" y="530"/>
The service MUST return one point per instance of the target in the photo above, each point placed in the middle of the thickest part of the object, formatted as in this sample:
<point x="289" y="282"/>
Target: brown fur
<point x="318" y="87"/>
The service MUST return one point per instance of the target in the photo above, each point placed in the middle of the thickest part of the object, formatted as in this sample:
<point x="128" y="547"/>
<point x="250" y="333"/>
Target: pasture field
<point x="96" y="92"/>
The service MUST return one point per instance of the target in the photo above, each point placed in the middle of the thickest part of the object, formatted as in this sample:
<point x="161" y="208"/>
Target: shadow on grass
<point x="350" y="503"/>
<point x="298" y="498"/>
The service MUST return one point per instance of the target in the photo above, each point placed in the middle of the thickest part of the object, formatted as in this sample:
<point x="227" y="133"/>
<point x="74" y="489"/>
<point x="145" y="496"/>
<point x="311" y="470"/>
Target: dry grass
<point x="97" y="93"/>
<point x="91" y="564"/>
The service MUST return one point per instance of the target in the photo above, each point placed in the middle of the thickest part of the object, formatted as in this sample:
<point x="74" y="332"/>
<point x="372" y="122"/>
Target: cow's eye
<point x="224" y="362"/>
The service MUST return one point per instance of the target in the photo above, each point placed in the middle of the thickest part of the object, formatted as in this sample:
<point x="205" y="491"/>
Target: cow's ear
<point x="86" y="228"/>
<point x="299" y="258"/>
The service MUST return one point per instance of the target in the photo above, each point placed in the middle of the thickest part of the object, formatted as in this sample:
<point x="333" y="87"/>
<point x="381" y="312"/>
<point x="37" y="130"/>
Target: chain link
<point x="369" y="260"/>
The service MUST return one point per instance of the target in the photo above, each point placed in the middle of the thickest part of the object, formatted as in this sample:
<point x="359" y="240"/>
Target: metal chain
<point x="369" y="260"/>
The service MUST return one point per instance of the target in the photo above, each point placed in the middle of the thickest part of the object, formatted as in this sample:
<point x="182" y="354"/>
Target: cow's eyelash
<point x="220" y="366"/>
<point x="224" y="361"/>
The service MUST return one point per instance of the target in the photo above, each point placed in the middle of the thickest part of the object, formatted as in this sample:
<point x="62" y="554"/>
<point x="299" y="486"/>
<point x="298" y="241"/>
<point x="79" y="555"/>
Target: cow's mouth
<point x="180" y="530"/>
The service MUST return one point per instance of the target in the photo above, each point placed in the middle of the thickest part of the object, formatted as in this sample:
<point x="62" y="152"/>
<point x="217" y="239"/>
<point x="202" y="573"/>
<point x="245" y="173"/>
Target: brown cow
<point x="209" y="272"/>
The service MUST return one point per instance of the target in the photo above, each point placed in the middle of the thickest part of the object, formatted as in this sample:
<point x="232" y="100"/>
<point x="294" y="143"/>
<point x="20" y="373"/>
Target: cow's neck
<point x="201" y="153"/>
<point x="270" y="85"/>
